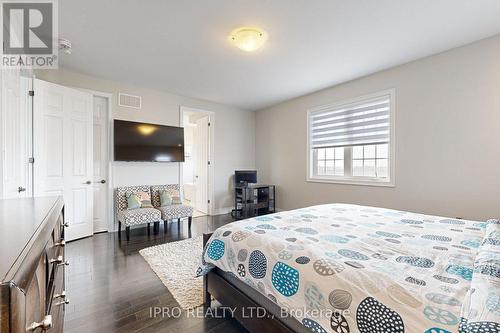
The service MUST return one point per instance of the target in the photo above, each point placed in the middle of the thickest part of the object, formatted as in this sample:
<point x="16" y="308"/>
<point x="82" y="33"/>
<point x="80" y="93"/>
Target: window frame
<point x="349" y="179"/>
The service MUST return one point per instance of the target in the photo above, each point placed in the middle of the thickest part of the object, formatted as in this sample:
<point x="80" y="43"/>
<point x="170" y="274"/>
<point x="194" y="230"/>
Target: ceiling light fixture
<point x="248" y="39"/>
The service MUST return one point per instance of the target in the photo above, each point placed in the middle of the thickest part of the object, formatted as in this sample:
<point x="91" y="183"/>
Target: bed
<point x="347" y="268"/>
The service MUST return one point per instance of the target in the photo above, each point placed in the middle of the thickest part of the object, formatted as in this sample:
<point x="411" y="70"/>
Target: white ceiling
<point x="181" y="46"/>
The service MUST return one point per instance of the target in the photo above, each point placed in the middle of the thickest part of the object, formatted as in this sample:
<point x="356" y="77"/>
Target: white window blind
<point x="362" y="123"/>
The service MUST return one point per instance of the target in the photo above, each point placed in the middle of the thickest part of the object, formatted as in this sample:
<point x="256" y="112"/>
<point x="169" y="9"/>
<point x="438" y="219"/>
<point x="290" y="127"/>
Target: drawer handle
<point x="61" y="243"/>
<point x="59" y="261"/>
<point x="63" y="302"/>
<point x="61" y="295"/>
<point x="45" y="324"/>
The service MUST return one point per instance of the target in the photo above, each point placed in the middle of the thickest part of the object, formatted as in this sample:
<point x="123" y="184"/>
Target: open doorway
<point x="197" y="169"/>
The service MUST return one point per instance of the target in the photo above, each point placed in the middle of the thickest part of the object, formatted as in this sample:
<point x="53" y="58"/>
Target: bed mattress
<point x="348" y="268"/>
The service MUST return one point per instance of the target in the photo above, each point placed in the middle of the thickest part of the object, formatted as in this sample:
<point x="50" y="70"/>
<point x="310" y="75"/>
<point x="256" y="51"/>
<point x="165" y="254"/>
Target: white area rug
<point x="175" y="264"/>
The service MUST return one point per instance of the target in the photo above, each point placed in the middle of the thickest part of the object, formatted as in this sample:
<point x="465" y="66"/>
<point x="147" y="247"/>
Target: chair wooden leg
<point x="165" y="226"/>
<point x="156" y="227"/>
<point x="148" y="227"/>
<point x="127" y="231"/>
<point x="190" y="219"/>
<point x="119" y="227"/>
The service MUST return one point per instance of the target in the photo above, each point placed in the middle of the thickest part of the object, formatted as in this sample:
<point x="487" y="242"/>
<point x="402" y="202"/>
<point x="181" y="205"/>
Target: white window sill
<point x="351" y="181"/>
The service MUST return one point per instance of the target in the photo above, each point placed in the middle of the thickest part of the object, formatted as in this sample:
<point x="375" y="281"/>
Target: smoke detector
<point x="65" y="45"/>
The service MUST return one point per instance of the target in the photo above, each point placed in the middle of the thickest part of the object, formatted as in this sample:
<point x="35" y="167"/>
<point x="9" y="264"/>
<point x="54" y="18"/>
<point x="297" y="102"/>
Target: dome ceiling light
<point x="248" y="39"/>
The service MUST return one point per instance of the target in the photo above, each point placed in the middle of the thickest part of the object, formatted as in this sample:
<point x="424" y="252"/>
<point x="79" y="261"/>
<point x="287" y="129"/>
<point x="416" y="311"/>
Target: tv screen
<point x="245" y="176"/>
<point x="144" y="142"/>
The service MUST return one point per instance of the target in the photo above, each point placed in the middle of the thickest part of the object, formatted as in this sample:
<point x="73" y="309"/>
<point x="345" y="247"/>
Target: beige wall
<point x="447" y="137"/>
<point x="234" y="132"/>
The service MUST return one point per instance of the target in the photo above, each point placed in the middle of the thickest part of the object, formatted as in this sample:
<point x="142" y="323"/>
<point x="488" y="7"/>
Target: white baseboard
<point x="227" y="210"/>
<point x="222" y="211"/>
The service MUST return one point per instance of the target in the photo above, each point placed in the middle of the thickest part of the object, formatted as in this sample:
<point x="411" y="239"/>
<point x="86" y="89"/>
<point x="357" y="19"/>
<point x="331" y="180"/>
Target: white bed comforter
<point x="347" y="268"/>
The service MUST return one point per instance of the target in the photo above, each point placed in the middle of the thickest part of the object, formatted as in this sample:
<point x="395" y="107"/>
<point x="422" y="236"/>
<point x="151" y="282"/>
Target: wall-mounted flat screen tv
<point x="143" y="142"/>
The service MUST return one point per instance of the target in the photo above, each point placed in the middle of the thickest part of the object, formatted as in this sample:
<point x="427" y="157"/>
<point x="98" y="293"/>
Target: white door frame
<point x="110" y="182"/>
<point x="211" y="153"/>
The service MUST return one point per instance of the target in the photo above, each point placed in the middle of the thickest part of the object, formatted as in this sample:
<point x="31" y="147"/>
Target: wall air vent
<point x="129" y="101"/>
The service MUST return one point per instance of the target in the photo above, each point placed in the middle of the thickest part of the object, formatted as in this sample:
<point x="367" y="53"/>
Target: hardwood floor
<point x="111" y="288"/>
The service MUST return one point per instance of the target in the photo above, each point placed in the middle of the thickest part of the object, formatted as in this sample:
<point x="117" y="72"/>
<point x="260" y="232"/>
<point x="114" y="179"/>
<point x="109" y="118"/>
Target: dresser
<point x="32" y="264"/>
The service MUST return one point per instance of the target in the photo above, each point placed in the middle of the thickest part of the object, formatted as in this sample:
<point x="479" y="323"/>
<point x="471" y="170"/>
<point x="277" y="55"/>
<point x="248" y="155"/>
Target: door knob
<point x="88" y="182"/>
<point x="103" y="181"/>
<point x="21" y="189"/>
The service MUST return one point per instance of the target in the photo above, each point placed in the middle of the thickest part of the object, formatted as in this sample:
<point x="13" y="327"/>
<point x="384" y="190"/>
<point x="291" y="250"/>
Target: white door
<point x="201" y="170"/>
<point x="15" y="134"/>
<point x="62" y="148"/>
<point x="100" y="140"/>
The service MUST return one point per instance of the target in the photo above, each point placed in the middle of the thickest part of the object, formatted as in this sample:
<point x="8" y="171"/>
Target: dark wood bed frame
<point x="229" y="295"/>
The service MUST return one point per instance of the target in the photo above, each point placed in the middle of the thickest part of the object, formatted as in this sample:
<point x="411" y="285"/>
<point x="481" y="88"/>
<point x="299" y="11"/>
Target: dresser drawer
<point x="59" y="228"/>
<point x="57" y="305"/>
<point x="55" y="250"/>
<point x="30" y="306"/>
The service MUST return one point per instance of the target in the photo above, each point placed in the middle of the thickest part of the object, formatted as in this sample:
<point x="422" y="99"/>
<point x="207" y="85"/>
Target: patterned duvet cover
<point x="346" y="268"/>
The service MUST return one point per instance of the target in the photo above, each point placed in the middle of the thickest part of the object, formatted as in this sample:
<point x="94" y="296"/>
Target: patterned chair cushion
<point x="139" y="216"/>
<point x="121" y="197"/>
<point x="172" y="189"/>
<point x="175" y="212"/>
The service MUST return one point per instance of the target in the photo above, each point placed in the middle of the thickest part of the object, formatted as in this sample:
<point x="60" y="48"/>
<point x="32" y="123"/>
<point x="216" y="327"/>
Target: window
<point x="330" y="161"/>
<point x="353" y="142"/>
<point x="370" y="161"/>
